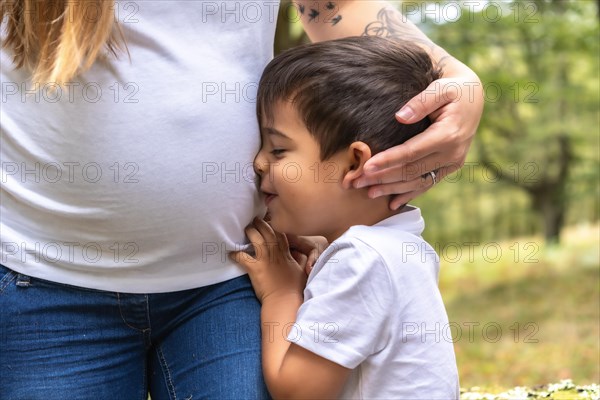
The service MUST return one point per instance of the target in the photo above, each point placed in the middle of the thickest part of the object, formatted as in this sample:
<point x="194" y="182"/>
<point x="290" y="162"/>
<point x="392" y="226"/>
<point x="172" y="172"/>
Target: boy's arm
<point x="289" y="370"/>
<point x="455" y="103"/>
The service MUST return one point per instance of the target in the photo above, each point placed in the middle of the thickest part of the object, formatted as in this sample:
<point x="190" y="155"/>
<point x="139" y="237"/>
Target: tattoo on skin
<point x="441" y="63"/>
<point x="313" y="14"/>
<point x="390" y="25"/>
<point x="331" y="6"/>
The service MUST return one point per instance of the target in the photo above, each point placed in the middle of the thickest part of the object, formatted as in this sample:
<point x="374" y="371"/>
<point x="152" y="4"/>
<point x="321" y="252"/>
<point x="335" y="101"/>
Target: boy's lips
<point x="268" y="193"/>
<point x="268" y="198"/>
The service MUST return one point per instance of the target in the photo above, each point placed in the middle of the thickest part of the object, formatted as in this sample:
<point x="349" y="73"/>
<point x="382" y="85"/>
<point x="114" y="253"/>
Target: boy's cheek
<point x="275" y="223"/>
<point x="279" y="224"/>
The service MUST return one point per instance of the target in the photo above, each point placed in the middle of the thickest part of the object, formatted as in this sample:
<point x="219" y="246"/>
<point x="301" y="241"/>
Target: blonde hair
<point x="57" y="39"/>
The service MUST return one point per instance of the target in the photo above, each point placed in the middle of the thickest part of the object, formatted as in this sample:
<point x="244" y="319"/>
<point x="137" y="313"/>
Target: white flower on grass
<point x="477" y="396"/>
<point x="591" y="392"/>
<point x="587" y="392"/>
<point x="564" y="384"/>
<point x="518" y="393"/>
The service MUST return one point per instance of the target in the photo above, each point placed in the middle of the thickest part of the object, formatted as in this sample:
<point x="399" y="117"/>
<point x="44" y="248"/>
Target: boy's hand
<point x="306" y="250"/>
<point x="455" y="105"/>
<point x="273" y="271"/>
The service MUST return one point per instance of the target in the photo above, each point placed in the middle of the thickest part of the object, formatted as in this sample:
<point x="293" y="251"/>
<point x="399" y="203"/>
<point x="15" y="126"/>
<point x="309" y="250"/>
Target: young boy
<point x="370" y="322"/>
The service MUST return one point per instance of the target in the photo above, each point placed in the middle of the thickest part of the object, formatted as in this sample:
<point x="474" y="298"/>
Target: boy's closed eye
<point x="278" y="152"/>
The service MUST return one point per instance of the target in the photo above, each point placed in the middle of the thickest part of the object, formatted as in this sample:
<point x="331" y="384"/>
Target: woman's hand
<point x="273" y="271"/>
<point x="454" y="104"/>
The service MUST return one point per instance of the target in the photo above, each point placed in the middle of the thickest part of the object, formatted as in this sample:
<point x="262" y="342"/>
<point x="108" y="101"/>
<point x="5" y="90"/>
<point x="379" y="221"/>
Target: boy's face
<point x="303" y="194"/>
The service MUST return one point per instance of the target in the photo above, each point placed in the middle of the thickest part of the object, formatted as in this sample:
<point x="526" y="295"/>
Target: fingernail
<point x="359" y="184"/>
<point x="374" y="194"/>
<point x="406" y="113"/>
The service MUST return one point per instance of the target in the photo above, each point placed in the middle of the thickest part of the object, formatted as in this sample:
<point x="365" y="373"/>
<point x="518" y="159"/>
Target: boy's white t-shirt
<point x="137" y="175"/>
<point x="372" y="304"/>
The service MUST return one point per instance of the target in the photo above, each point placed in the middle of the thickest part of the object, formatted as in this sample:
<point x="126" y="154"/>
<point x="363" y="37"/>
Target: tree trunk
<point x="553" y="214"/>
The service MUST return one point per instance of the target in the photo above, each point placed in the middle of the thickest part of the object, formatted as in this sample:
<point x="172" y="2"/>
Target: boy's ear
<point x="359" y="153"/>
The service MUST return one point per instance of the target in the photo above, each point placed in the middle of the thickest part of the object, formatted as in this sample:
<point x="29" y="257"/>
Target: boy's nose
<point x="260" y="164"/>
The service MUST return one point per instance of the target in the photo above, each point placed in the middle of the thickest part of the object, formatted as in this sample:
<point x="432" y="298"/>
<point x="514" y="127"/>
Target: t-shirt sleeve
<point x="347" y="303"/>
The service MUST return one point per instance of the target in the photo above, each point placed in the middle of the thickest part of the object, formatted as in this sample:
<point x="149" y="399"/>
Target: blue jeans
<point x="64" y="342"/>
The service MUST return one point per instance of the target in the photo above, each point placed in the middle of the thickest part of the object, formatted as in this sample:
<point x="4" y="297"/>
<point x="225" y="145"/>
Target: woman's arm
<point x="454" y="103"/>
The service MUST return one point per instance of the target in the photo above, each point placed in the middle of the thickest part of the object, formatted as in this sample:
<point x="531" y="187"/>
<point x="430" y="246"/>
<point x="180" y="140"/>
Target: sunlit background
<point x="517" y="228"/>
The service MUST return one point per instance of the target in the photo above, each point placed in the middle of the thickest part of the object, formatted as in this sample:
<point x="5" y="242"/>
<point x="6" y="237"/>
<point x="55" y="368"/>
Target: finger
<point x="394" y="188"/>
<point x="265" y="230"/>
<point x="427" y="183"/>
<point x="300" y="258"/>
<point x="434" y="139"/>
<point x="308" y="267"/>
<point x="308" y="247"/>
<point x="434" y="162"/>
<point x="411" y="171"/>
<point x="282" y="241"/>
<point x="437" y="94"/>
<point x="301" y="243"/>
<point x="244" y="259"/>
<point x="422" y="182"/>
<point x="254" y="236"/>
<point x="312" y="259"/>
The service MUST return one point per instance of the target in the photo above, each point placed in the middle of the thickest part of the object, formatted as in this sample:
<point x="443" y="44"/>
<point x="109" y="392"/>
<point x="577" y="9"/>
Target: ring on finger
<point x="433" y="177"/>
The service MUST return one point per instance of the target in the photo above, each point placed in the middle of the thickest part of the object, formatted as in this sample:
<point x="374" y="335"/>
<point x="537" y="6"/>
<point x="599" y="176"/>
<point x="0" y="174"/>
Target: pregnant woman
<point x="128" y="131"/>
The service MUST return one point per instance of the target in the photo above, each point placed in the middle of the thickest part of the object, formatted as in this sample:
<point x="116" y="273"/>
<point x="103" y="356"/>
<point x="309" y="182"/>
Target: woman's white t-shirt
<point x="137" y="175"/>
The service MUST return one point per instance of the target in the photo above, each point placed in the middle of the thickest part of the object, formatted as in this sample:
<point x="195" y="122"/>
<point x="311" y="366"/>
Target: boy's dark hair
<point x="349" y="89"/>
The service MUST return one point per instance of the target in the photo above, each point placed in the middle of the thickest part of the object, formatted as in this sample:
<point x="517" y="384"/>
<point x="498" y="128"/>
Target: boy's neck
<point x="359" y="209"/>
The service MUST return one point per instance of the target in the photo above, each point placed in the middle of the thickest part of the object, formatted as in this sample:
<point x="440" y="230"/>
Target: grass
<point x="527" y="317"/>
